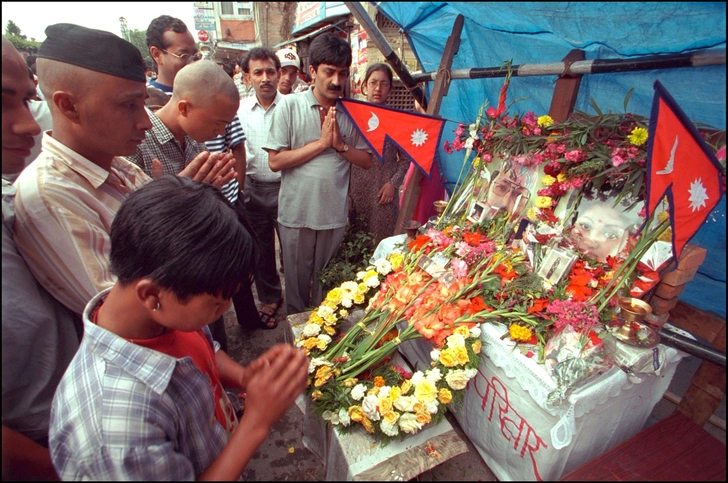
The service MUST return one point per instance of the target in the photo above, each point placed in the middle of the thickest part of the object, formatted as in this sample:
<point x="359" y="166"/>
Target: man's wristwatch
<point x="344" y="149"/>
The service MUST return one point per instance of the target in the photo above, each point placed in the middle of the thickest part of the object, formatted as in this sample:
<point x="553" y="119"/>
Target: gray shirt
<point x="313" y="194"/>
<point x="39" y="339"/>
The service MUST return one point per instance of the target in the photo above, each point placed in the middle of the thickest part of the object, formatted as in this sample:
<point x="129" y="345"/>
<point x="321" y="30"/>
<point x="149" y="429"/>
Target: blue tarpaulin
<point x="545" y="32"/>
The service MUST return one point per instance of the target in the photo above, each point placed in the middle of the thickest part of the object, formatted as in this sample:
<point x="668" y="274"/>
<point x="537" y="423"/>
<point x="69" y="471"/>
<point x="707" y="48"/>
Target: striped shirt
<point x="125" y="412"/>
<point x="256" y="122"/>
<point x="64" y="208"/>
<point x="160" y="143"/>
<point x="233" y="136"/>
<point x="244" y="90"/>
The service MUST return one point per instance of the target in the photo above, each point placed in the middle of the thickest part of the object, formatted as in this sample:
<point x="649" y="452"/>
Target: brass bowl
<point x="440" y="206"/>
<point x="411" y="227"/>
<point x="633" y="310"/>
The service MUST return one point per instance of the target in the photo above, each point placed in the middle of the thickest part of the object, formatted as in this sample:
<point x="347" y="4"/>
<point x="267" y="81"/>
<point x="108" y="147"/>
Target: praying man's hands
<point x="216" y="169"/>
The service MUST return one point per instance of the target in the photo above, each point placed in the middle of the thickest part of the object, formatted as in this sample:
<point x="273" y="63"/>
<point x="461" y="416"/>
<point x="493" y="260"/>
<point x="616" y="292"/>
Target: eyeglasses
<point x="374" y="84"/>
<point x="503" y="187"/>
<point x="185" y="57"/>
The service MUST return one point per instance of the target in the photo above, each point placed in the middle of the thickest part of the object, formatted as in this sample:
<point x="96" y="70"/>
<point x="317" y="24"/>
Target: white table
<point x="521" y="437"/>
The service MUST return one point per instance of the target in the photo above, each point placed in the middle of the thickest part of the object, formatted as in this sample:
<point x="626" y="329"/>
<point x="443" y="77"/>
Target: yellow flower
<point x="315" y="318"/>
<point x="321" y="345"/>
<point x="310" y="343"/>
<point x="396" y="260"/>
<point x="330" y="304"/>
<point x="330" y="319"/>
<point x="638" y="136"/>
<point x="548" y="180"/>
<point x="334" y="295"/>
<point x="367" y="424"/>
<point x="476" y="162"/>
<point x="426" y="390"/>
<point x="356" y="413"/>
<point x="379" y="381"/>
<point x="447" y="357"/>
<point x="545" y="121"/>
<point x="359" y="298"/>
<point x="520" y="333"/>
<point x="423" y="417"/>
<point x="394" y="393"/>
<point x="385" y="405"/>
<point x="461" y="355"/>
<point x="362" y="289"/>
<point x="406" y="386"/>
<point x="329" y="330"/>
<point x="543" y="202"/>
<point x="343" y="313"/>
<point x="445" y="396"/>
<point x="390" y="417"/>
<point x="462" y="330"/>
<point x="324" y="372"/>
<point x="561" y="177"/>
<point x="350" y="382"/>
<point x="316" y="395"/>
<point x="477" y="345"/>
<point x="532" y="214"/>
<point x="374" y="391"/>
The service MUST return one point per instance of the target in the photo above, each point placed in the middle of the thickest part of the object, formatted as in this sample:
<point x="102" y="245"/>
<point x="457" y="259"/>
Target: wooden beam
<point x="442" y="84"/>
<point x="566" y="90"/>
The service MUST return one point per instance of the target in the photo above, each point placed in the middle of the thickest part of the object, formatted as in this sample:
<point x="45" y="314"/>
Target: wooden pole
<point x="595" y="66"/>
<point x="389" y="54"/>
<point x="442" y="84"/>
<point x="566" y="90"/>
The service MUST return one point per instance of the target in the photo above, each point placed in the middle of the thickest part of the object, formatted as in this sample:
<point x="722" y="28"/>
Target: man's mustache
<point x="334" y="88"/>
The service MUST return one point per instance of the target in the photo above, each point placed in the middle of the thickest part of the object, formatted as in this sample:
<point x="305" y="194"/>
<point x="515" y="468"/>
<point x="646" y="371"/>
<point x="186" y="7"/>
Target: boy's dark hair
<point x="330" y="49"/>
<point x="259" y="53"/>
<point x="183" y="235"/>
<point x="160" y="25"/>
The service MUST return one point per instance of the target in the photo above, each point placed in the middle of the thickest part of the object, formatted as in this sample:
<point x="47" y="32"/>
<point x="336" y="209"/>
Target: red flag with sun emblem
<point x="681" y="166"/>
<point x="418" y="135"/>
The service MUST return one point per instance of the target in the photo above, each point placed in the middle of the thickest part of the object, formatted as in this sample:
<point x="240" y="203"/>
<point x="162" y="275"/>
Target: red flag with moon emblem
<point x="417" y="135"/>
<point x="681" y="166"/>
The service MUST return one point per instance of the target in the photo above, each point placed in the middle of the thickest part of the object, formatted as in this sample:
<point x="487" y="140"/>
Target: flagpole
<point x="594" y="66"/>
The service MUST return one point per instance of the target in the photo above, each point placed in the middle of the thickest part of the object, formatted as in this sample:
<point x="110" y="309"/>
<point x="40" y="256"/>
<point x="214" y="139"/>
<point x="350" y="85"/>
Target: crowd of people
<point x="151" y="206"/>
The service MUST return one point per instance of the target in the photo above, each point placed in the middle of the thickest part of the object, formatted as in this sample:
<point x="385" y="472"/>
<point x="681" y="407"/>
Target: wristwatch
<point x="345" y="149"/>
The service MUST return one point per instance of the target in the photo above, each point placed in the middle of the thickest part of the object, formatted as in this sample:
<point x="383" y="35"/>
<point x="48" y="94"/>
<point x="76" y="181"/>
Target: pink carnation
<point x="617" y="158"/>
<point x="574" y="156"/>
<point x="459" y="268"/>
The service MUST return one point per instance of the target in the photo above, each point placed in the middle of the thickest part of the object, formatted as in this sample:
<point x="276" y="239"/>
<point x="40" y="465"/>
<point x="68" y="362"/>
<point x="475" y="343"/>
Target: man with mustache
<point x="314" y="146"/>
<point x="261" y="184"/>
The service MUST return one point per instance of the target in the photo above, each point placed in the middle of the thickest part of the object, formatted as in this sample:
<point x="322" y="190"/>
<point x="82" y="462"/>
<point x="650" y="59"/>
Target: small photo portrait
<point x="556" y="263"/>
<point x="601" y="225"/>
<point x="477" y="212"/>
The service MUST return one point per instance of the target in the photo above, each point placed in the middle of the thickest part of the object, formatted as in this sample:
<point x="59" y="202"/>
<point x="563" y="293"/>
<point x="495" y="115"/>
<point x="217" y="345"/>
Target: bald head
<point x="202" y="82"/>
<point x="56" y="76"/>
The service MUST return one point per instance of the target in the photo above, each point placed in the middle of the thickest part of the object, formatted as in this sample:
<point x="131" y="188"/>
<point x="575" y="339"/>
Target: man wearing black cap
<point x="66" y="199"/>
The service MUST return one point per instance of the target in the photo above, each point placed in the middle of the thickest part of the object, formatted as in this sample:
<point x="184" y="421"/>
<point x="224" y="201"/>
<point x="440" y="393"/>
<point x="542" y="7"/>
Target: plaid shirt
<point x="126" y="412"/>
<point x="160" y="143"/>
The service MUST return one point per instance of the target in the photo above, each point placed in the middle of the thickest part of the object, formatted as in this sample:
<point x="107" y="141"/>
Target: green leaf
<point x="626" y="98"/>
<point x="594" y="105"/>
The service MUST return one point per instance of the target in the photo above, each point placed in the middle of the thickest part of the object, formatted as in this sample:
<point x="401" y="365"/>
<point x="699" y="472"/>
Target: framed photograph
<point x="477" y="212"/>
<point x="510" y="189"/>
<point x="556" y="263"/>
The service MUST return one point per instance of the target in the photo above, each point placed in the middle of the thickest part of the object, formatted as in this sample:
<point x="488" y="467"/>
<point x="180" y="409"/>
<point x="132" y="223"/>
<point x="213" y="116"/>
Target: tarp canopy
<point x="545" y="32"/>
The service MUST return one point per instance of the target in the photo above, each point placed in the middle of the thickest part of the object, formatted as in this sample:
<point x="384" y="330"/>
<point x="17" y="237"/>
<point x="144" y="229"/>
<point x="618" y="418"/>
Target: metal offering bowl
<point x="440" y="206"/>
<point x="633" y="310"/>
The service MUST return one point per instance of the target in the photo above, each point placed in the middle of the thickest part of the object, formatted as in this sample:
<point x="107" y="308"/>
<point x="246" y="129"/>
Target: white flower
<point x="349" y="288"/>
<point x="358" y="392"/>
<point x="324" y="337"/>
<point x="359" y="276"/>
<point x="434" y="375"/>
<point x="405" y="403"/>
<point x="435" y="355"/>
<point x="457" y="379"/>
<point x="475" y="331"/>
<point x="325" y="311"/>
<point x="471" y="373"/>
<point x="384" y="391"/>
<point x="330" y="416"/>
<point x="372" y="281"/>
<point x="455" y="340"/>
<point x="432" y="406"/>
<point x="383" y="266"/>
<point x="344" y="417"/>
<point x="416" y="378"/>
<point x="390" y="430"/>
<point x="317" y="361"/>
<point x="347" y="302"/>
<point x="311" y="330"/>
<point x="299" y="343"/>
<point x="409" y="424"/>
<point x="369" y="406"/>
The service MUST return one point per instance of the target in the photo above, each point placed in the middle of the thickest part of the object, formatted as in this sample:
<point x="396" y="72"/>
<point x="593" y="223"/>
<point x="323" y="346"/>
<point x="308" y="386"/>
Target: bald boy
<point x="203" y="102"/>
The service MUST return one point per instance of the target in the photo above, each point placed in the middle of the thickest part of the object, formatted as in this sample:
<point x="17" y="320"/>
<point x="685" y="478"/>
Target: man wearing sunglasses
<point x="172" y="47"/>
<point x="508" y="191"/>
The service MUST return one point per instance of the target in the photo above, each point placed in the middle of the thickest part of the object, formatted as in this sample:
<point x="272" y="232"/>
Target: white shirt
<point x="256" y="122"/>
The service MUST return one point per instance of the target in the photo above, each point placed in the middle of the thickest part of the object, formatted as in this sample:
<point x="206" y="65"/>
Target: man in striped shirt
<point x="172" y="46"/>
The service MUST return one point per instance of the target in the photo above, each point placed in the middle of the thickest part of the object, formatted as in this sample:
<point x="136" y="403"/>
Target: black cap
<point x="91" y="49"/>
